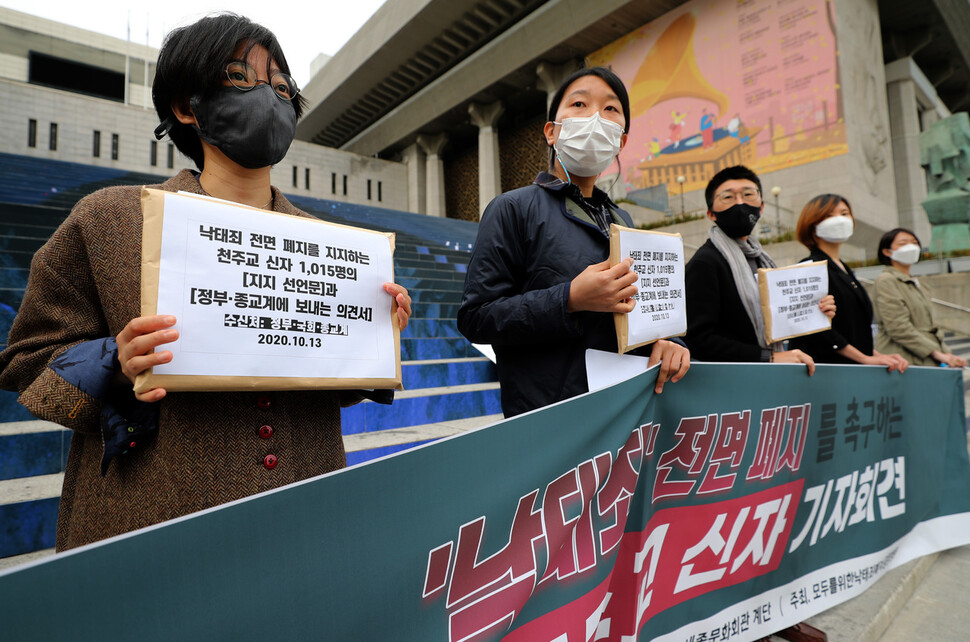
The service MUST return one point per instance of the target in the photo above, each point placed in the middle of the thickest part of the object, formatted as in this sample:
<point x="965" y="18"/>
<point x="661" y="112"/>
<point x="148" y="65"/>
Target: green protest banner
<point x="743" y="499"/>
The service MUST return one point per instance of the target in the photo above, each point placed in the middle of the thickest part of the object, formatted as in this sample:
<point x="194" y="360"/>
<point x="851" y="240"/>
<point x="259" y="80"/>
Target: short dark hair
<point x="887" y="240"/>
<point x="735" y="173"/>
<point x="191" y="63"/>
<point x="814" y="212"/>
<point x="607" y="76"/>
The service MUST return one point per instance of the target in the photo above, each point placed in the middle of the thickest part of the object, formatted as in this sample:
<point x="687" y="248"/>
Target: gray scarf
<point x="737" y="252"/>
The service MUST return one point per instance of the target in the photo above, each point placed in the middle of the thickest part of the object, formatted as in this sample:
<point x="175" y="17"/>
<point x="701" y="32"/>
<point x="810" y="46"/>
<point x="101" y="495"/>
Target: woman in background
<point x="903" y="309"/>
<point x="826" y="222"/>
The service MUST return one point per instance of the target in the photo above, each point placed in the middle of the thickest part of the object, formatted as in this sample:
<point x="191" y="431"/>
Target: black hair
<point x="887" y="240"/>
<point x="192" y="62"/>
<point x="607" y="76"/>
<point x="735" y="173"/>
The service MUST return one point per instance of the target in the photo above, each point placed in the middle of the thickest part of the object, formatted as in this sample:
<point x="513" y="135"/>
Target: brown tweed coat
<point x="84" y="284"/>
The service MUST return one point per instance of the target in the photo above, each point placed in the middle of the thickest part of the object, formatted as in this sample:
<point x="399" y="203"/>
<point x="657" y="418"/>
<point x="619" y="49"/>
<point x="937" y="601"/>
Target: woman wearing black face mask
<point x="539" y="286"/>
<point x="223" y="94"/>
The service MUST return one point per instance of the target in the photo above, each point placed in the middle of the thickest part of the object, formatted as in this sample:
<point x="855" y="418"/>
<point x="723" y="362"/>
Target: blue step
<point x="23" y="244"/>
<point x="14" y="277"/>
<point x="28" y="526"/>
<point x="453" y="373"/>
<point x="438" y="348"/>
<point x="10" y="409"/>
<point x="418" y="283"/>
<point x="443" y="266"/>
<point x="9" y="304"/>
<point x="16" y="213"/>
<point x="428" y="295"/>
<point x="431" y="328"/>
<point x="416" y="411"/>
<point x="429" y="273"/>
<point x="33" y="453"/>
<point x="431" y="310"/>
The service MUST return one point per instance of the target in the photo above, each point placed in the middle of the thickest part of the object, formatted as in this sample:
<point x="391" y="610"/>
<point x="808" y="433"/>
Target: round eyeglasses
<point x="243" y="77"/>
<point x="748" y="195"/>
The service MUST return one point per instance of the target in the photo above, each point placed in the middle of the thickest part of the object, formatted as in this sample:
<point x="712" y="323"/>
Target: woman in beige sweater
<point x="903" y="309"/>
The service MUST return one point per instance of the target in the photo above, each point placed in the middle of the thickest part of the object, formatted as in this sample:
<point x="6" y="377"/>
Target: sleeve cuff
<point x="126" y="423"/>
<point x="89" y="366"/>
<point x="572" y="320"/>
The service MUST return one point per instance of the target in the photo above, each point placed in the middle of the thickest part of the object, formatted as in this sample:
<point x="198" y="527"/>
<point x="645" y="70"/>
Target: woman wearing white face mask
<point x="539" y="286"/>
<point x="903" y="309"/>
<point x="826" y="222"/>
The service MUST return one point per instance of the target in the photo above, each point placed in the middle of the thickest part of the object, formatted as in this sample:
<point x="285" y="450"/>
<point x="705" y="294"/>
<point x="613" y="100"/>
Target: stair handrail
<point x="960" y="327"/>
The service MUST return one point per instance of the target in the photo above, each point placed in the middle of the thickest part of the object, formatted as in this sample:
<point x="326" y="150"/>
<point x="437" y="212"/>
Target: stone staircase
<point x="449" y="386"/>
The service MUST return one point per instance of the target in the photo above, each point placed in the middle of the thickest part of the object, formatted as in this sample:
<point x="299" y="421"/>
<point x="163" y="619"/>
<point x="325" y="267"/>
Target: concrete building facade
<point x="436" y="106"/>
<point x="423" y="69"/>
<point x="104" y="125"/>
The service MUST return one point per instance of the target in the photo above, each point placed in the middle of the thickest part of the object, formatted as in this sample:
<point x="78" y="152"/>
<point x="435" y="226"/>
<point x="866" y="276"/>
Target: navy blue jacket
<point x="531" y="243"/>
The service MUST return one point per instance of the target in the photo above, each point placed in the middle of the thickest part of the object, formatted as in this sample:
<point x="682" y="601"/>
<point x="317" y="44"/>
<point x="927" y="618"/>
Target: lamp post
<point x="681" y="180"/>
<point x="776" y="190"/>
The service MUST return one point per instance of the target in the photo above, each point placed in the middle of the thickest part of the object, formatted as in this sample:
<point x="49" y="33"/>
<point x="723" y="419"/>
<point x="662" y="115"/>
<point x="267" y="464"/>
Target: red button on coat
<point x="263" y="401"/>
<point x="269" y="461"/>
<point x="265" y="432"/>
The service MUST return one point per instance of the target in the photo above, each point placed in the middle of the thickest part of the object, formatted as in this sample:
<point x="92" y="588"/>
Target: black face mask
<point x="253" y="128"/>
<point x="738" y="220"/>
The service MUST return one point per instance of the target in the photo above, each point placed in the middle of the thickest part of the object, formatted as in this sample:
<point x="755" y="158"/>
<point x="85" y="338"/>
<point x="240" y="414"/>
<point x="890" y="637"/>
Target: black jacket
<point x="718" y="328"/>
<point x="531" y="243"/>
<point x="852" y="324"/>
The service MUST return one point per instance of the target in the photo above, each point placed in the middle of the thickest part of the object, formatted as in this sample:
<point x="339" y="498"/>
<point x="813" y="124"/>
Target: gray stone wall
<point x="77" y="118"/>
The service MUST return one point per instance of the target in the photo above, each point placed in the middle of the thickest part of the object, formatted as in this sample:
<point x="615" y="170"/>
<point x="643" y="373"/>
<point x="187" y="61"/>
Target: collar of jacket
<point x="187" y="180"/>
<point x="571" y="208"/>
<point x="901" y="276"/>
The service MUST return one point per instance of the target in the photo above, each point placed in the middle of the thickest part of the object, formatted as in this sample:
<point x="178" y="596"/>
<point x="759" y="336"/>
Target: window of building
<point x="171" y="155"/>
<point x="52" y="144"/>
<point x="71" y="75"/>
<point x="345" y="184"/>
<point x="379" y="195"/>
<point x="368" y="189"/>
<point x="154" y="154"/>
<point x="31" y="133"/>
<point x="295" y="175"/>
<point x="115" y="143"/>
<point x="333" y="182"/>
<point x="96" y="144"/>
<point x="306" y="178"/>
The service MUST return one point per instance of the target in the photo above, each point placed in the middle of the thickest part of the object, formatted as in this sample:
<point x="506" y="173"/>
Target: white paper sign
<point x="790" y="298"/>
<point x="258" y="294"/>
<point x="660" y="309"/>
<point x="604" y="369"/>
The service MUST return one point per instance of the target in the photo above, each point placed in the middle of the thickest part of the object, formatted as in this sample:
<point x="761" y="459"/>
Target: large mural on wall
<point x="716" y="83"/>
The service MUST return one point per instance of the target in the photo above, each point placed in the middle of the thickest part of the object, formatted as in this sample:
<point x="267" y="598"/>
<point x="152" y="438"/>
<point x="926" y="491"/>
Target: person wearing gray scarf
<point x="724" y="319"/>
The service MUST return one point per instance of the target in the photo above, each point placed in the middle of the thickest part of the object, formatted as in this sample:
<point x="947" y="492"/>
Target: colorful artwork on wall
<point x="716" y="83"/>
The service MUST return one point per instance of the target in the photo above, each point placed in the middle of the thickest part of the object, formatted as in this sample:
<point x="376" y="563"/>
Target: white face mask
<point x="835" y="229"/>
<point x="907" y="254"/>
<point x="587" y="146"/>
